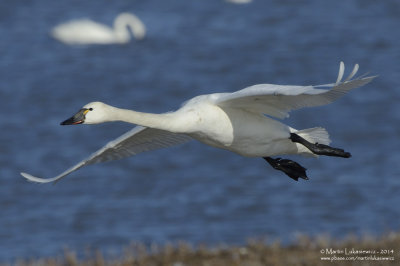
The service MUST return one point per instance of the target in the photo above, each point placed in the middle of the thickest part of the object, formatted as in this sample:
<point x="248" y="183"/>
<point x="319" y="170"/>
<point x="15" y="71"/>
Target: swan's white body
<point x="239" y="1"/>
<point x="85" y="31"/>
<point x="232" y="121"/>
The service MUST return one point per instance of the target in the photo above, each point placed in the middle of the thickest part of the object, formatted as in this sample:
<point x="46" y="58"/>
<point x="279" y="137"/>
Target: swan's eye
<point x="90" y="109"/>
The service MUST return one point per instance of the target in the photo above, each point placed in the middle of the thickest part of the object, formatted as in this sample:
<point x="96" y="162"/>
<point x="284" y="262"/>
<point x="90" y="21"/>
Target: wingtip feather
<point x="35" y="179"/>
<point x="353" y="72"/>
<point x="341" y="72"/>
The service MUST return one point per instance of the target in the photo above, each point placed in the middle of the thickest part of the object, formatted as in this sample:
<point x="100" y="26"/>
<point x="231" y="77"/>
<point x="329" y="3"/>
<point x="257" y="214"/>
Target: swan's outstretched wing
<point x="135" y="141"/>
<point x="278" y="100"/>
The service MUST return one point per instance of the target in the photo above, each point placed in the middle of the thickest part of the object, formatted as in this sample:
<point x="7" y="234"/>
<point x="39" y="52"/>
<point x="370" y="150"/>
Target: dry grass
<point x="305" y="251"/>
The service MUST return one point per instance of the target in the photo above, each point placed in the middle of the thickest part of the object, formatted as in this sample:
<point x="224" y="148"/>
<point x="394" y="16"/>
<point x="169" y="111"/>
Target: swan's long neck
<point x="125" y="20"/>
<point x="166" y="121"/>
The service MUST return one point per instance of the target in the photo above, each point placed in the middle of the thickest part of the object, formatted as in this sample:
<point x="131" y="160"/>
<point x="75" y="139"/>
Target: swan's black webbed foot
<point x="320" y="149"/>
<point x="289" y="167"/>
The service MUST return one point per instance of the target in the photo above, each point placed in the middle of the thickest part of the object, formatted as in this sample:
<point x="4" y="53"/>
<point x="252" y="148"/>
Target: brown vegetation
<point x="306" y="251"/>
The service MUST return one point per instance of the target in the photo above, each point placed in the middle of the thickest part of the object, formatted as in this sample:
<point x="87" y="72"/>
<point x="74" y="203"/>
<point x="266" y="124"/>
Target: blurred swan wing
<point x="278" y="100"/>
<point x="135" y="141"/>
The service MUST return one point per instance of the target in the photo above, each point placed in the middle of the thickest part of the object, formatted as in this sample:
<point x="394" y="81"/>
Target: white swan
<point x="232" y="121"/>
<point x="239" y="1"/>
<point x="85" y="31"/>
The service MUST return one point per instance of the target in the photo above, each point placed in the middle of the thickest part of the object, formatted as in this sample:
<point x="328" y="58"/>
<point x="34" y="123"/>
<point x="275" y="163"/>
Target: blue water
<point x="192" y="192"/>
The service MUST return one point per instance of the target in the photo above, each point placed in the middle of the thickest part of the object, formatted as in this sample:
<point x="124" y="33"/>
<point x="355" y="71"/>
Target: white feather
<point x="135" y="141"/>
<point x="278" y="100"/>
<point x="341" y="72"/>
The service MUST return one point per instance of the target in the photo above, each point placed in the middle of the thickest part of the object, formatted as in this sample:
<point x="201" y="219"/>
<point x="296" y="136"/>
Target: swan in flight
<point x="85" y="31"/>
<point x="241" y="122"/>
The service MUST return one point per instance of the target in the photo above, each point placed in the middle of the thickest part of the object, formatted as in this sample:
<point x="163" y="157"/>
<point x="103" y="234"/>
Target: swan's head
<point x="125" y="21"/>
<point x="91" y="113"/>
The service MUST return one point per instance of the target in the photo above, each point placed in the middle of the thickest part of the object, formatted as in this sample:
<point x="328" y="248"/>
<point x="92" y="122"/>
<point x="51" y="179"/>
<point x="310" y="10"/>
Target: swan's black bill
<point x="78" y="118"/>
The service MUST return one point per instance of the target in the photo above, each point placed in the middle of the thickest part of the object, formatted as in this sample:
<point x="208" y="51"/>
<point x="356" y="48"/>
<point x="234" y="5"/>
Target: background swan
<point x="85" y="31"/>
<point x="233" y="121"/>
<point x="239" y="1"/>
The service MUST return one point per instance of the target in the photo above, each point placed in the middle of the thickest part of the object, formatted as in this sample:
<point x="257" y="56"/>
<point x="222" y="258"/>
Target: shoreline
<point x="384" y="250"/>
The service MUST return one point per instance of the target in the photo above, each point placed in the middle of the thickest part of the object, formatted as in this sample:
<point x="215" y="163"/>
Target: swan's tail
<point x="313" y="135"/>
